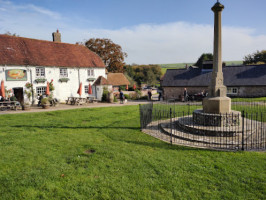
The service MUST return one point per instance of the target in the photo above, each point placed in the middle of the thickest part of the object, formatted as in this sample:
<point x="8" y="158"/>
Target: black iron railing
<point x="177" y="123"/>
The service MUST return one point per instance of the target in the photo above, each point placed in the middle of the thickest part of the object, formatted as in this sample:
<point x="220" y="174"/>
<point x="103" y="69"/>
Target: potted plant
<point x="64" y="80"/>
<point x="91" y="79"/>
<point x="29" y="90"/>
<point x="45" y="103"/>
<point x="40" y="80"/>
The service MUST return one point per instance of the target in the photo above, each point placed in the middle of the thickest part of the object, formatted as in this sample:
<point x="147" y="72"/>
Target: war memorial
<point x="217" y="123"/>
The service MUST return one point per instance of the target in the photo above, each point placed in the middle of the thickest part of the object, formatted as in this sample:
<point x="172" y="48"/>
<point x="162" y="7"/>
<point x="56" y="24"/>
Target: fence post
<point x="141" y="118"/>
<point x="171" y="140"/>
<point x="243" y="129"/>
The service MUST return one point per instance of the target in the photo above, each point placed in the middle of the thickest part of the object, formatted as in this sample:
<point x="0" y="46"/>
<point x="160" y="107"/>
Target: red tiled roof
<point x="117" y="79"/>
<point x="101" y="81"/>
<point x="25" y="51"/>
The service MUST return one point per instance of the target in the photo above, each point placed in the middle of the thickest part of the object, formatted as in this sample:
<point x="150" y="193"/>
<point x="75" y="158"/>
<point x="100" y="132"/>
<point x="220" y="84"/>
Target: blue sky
<point x="150" y="31"/>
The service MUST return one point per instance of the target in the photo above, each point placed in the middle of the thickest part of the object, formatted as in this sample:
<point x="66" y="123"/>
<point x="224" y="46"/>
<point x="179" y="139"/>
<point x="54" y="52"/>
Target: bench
<point x="95" y="100"/>
<point x="3" y="108"/>
<point x="69" y="100"/>
<point x="92" y="99"/>
<point x="80" y="102"/>
<point x="54" y="102"/>
<point x="9" y="105"/>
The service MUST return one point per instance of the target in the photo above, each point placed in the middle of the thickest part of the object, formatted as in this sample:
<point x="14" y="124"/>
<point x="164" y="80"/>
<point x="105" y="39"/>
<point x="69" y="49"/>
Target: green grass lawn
<point x="164" y="67"/>
<point x="49" y="156"/>
<point x="248" y="99"/>
<point x="175" y="65"/>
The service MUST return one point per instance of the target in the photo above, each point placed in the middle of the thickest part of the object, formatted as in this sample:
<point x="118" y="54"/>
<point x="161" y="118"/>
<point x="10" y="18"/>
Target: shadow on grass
<point x="163" y="145"/>
<point x="75" y="127"/>
<point x="158" y="144"/>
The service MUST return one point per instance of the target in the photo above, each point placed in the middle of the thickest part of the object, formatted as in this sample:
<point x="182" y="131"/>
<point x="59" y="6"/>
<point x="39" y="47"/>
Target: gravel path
<point x="69" y="107"/>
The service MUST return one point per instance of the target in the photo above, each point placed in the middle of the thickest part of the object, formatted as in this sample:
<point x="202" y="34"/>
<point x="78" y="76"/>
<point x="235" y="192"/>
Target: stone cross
<point x="217" y="102"/>
<point x="217" y="88"/>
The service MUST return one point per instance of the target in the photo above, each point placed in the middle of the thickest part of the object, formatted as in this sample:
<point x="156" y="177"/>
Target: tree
<point x="258" y="57"/>
<point x="111" y="53"/>
<point x="149" y="74"/>
<point x="203" y="57"/>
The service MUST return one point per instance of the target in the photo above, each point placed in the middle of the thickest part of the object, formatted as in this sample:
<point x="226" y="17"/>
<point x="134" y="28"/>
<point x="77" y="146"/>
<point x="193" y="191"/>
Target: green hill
<point x="182" y="65"/>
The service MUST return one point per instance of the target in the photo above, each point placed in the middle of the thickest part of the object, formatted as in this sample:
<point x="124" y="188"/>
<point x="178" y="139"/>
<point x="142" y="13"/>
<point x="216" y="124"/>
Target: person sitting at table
<point x="1" y="98"/>
<point x="13" y="98"/>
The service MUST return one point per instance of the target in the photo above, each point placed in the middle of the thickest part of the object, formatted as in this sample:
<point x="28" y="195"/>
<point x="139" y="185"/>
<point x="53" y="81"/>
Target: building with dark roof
<point x="35" y="61"/>
<point x="241" y="81"/>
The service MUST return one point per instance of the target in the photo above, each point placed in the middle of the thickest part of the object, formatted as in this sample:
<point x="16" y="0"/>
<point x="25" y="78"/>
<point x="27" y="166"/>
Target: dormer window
<point x="63" y="73"/>
<point x="90" y="72"/>
<point x="40" y="72"/>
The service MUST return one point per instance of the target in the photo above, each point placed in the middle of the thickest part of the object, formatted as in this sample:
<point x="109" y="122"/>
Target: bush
<point x="138" y="92"/>
<point x="13" y="98"/>
<point x="127" y="96"/>
<point x="123" y="87"/>
<point x="44" y="101"/>
<point x="144" y="98"/>
<point x="115" y="99"/>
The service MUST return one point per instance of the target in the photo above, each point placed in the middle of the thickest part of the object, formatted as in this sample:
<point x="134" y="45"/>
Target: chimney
<point x="56" y="36"/>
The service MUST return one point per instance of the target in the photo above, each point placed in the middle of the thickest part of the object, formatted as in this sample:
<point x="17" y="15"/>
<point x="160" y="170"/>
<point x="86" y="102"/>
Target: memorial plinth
<point x="217" y="108"/>
<point x="219" y="120"/>
<point x="217" y="105"/>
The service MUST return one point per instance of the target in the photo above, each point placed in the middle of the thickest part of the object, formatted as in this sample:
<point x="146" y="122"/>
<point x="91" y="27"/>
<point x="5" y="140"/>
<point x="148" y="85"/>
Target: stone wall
<point x="243" y="91"/>
<point x="176" y="92"/>
<point x="252" y="91"/>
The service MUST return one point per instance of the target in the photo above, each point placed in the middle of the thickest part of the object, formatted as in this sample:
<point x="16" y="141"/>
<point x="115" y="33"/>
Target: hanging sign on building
<point x="16" y="75"/>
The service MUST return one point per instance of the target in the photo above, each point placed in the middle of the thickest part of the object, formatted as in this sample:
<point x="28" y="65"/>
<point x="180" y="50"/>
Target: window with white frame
<point x="63" y="72"/>
<point x="86" y="89"/>
<point x="40" y="90"/>
<point x="40" y="72"/>
<point x="90" y="72"/>
<point x="232" y="90"/>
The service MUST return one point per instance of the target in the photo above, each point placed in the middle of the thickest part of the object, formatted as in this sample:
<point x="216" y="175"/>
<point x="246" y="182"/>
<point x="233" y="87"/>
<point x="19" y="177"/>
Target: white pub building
<point x="25" y="60"/>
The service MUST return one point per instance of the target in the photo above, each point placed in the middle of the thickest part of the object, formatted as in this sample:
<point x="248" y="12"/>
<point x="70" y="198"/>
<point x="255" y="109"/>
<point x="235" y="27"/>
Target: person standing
<point x="40" y="99"/>
<point x="121" y="96"/>
<point x="185" y="95"/>
<point x="149" y="95"/>
<point x="160" y="95"/>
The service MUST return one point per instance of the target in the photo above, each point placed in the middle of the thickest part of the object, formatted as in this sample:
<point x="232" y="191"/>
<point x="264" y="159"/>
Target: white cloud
<point x="144" y="43"/>
<point x="181" y="42"/>
<point x="10" y="7"/>
<point x="43" y="11"/>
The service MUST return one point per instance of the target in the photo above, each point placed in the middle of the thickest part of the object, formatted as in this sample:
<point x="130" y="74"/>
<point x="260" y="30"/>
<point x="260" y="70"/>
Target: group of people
<point x="12" y="98"/>
<point x="150" y="95"/>
<point x="122" y="96"/>
<point x="185" y="95"/>
<point x="202" y="94"/>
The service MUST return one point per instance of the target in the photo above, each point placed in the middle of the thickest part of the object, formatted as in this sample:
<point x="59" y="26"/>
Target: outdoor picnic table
<point x="92" y="99"/>
<point x="5" y="105"/>
<point x="76" y="100"/>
